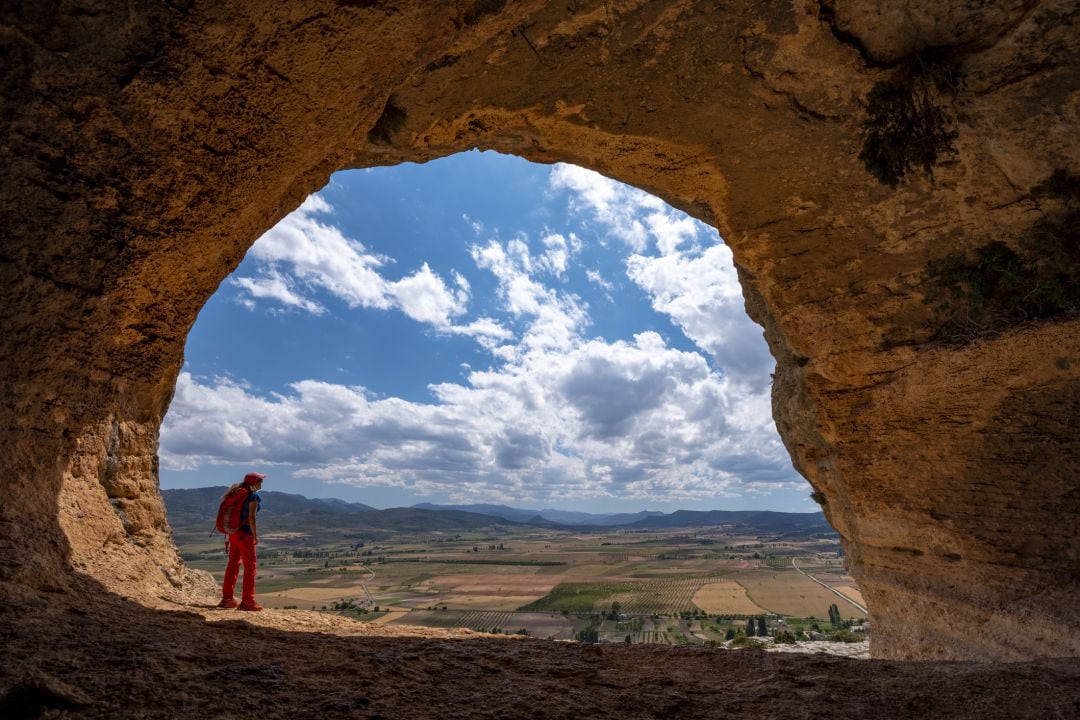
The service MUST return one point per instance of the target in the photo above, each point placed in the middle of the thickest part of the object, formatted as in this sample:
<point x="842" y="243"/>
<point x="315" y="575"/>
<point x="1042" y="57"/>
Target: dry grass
<point x="493" y="584"/>
<point x="491" y="591"/>
<point x="489" y="602"/>
<point x="790" y="593"/>
<point x="305" y="597"/>
<point x="725" y="598"/>
<point x="852" y="592"/>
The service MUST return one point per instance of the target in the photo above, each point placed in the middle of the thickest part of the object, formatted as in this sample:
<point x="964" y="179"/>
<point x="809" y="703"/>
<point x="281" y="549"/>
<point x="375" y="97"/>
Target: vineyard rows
<point x="654" y="637"/>
<point x="485" y="620"/>
<point x="662" y="597"/>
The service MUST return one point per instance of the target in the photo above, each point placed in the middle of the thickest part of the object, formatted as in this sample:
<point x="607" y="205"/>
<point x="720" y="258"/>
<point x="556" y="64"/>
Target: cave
<point x="148" y="145"/>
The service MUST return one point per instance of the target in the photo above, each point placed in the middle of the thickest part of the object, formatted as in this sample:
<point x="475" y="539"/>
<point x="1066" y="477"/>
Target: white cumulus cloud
<point x="683" y="266"/>
<point x="701" y="294"/>
<point x="275" y="286"/>
<point x="305" y="252"/>
<point x="630" y="420"/>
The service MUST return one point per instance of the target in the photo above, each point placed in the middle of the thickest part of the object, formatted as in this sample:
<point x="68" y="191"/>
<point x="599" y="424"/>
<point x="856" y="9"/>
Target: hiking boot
<point x="227" y="603"/>
<point x="251" y="607"/>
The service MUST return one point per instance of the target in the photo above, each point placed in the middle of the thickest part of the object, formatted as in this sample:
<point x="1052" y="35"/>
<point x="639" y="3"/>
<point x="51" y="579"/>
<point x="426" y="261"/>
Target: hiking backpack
<point x="230" y="509"/>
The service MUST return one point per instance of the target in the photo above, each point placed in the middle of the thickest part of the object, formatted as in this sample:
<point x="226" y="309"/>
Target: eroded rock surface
<point x="97" y="656"/>
<point x="147" y="145"/>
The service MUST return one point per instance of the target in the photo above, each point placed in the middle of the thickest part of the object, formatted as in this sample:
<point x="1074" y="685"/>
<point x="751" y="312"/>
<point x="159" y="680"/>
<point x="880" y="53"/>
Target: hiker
<point x="241" y="503"/>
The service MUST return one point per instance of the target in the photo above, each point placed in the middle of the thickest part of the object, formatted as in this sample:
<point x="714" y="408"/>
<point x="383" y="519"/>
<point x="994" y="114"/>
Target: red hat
<point x="252" y="478"/>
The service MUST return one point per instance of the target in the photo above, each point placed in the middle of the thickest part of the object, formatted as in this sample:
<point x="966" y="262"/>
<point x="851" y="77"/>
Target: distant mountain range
<point x="562" y="517"/>
<point x="191" y="510"/>
<point x="765" y="521"/>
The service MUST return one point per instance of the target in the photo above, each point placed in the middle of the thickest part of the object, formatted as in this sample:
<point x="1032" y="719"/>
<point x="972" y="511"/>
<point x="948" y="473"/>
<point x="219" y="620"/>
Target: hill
<point x="200" y="504"/>
<point x="502" y="511"/>
<point x="194" y="511"/>
<point x="762" y="521"/>
<point x="561" y="517"/>
<point x="759" y="521"/>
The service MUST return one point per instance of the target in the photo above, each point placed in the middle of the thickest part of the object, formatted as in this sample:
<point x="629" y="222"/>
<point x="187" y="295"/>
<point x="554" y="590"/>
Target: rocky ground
<point x="84" y="653"/>
<point x="859" y="650"/>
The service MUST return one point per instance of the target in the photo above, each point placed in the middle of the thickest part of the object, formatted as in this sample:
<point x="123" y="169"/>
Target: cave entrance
<point x="151" y="146"/>
<point x="462" y="296"/>
<point x="482" y="330"/>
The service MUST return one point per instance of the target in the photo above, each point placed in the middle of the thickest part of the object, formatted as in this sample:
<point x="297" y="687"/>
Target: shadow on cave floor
<point x="85" y="653"/>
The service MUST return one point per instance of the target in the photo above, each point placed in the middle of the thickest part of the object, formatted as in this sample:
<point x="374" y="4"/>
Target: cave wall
<point x="149" y="144"/>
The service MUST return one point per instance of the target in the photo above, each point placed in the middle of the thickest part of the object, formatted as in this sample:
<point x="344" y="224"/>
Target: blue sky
<point x="484" y="329"/>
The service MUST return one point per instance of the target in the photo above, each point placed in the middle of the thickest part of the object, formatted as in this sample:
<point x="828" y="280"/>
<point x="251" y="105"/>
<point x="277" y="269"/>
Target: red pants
<point x="241" y="550"/>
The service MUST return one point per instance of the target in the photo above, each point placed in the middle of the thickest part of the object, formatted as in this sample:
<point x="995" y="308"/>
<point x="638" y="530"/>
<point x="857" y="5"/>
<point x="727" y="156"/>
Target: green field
<point x="577" y="597"/>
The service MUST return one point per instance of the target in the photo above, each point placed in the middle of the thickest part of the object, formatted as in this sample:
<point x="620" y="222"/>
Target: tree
<point x="589" y="635"/>
<point x="730" y="634"/>
<point x="750" y="627"/>
<point x="762" y="631"/>
<point x="784" y="637"/>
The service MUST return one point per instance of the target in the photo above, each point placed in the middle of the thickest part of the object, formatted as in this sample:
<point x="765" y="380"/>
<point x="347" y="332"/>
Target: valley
<point x="712" y="584"/>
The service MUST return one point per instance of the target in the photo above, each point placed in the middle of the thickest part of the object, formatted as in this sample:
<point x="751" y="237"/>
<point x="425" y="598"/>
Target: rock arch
<point x="148" y="144"/>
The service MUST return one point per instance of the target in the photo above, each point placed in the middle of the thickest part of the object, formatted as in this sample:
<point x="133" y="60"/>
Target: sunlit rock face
<point x="148" y="144"/>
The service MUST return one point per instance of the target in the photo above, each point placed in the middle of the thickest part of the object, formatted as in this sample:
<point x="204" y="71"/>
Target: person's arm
<point x="253" y="510"/>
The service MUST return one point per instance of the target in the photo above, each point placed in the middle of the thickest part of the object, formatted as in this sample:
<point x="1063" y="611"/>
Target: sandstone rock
<point x="147" y="145"/>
